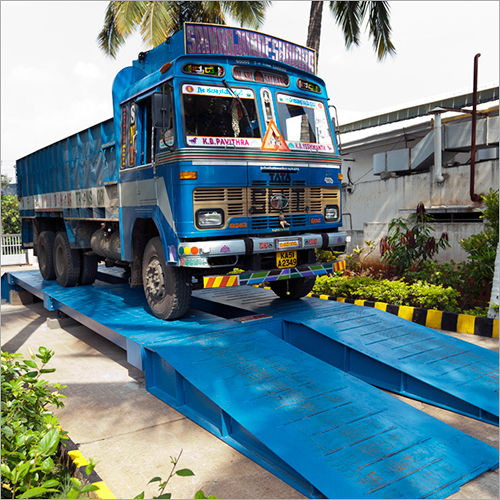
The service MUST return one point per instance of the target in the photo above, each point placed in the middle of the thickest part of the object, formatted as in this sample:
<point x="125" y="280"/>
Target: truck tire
<point x="295" y="288"/>
<point x="66" y="261"/>
<point x="45" y="253"/>
<point x="88" y="269"/>
<point x="167" y="288"/>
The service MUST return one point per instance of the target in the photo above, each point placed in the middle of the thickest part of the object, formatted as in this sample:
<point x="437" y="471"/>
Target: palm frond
<point x="109" y="38"/>
<point x="212" y="12"/>
<point x="348" y="16"/>
<point x="158" y="22"/>
<point x="128" y="16"/>
<point x="249" y="14"/>
<point x="380" y="28"/>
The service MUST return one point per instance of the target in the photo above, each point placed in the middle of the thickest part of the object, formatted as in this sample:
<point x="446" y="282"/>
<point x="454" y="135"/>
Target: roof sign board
<point x="223" y="40"/>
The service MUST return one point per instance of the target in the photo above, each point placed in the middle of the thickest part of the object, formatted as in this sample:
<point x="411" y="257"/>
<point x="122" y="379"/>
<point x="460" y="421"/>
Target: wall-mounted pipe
<point x="438" y="147"/>
<point x="473" y="196"/>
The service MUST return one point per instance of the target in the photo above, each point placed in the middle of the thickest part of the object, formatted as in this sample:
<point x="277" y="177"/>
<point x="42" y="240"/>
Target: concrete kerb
<point x="452" y="322"/>
<point x="73" y="458"/>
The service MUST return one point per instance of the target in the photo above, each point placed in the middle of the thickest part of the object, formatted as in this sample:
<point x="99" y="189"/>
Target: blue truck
<point x="219" y="167"/>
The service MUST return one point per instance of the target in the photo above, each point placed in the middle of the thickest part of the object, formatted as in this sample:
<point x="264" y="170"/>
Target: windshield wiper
<point x="245" y="112"/>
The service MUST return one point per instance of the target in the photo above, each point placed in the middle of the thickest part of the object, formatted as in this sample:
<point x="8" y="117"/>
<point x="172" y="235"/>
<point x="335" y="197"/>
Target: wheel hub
<point x="155" y="280"/>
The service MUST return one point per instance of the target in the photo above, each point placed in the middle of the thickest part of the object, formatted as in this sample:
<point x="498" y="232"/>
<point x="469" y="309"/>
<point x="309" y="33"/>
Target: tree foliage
<point x="11" y="222"/>
<point x="157" y="20"/>
<point x="350" y="17"/>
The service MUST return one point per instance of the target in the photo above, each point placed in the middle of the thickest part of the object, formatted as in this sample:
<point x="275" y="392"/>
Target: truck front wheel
<point x="295" y="288"/>
<point x="45" y="254"/>
<point x="66" y="261"/>
<point x="167" y="288"/>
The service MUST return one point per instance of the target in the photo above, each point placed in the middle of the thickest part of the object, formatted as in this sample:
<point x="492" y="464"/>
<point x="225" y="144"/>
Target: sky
<point x="55" y="81"/>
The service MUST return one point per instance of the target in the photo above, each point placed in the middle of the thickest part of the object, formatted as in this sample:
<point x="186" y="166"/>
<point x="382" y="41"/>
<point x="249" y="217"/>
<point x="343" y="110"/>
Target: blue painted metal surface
<point x="382" y="349"/>
<point x="322" y="430"/>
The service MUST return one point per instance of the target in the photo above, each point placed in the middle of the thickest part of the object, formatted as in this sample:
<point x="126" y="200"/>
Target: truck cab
<point x="226" y="169"/>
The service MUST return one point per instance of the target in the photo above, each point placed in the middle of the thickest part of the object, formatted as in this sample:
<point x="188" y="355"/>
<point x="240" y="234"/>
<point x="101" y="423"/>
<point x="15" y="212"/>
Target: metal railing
<point x="12" y="251"/>
<point x="11" y="244"/>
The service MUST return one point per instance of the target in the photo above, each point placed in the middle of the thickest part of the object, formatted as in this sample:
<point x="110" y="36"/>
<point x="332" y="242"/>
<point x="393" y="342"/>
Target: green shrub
<point x="481" y="248"/>
<point x="30" y="433"/>
<point x="410" y="242"/>
<point x="398" y="292"/>
<point x="431" y="296"/>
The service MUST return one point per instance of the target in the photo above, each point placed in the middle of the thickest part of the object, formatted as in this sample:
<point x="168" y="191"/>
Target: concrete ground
<point x="132" y="435"/>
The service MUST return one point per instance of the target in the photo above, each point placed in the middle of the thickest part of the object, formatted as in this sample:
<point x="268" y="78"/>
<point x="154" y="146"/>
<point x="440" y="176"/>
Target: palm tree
<point x="350" y="16"/>
<point x="160" y="19"/>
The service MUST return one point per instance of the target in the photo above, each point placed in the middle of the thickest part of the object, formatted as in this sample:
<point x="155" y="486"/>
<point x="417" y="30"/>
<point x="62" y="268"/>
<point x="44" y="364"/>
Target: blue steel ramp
<point x="382" y="349"/>
<point x="336" y="432"/>
<point x="323" y="431"/>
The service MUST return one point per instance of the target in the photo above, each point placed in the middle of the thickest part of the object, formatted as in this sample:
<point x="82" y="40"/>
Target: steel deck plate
<point x="384" y="350"/>
<point x="322" y="430"/>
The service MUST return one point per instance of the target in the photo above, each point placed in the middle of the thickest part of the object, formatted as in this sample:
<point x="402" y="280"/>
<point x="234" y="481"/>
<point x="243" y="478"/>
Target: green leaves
<point x="185" y="472"/>
<point x="201" y="494"/>
<point x="30" y="433"/>
<point x="36" y="492"/>
<point x="410" y="242"/>
<point x="48" y="443"/>
<point x="163" y="484"/>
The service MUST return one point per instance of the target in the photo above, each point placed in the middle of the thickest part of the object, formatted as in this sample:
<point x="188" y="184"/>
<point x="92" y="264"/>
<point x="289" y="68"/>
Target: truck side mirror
<point x="160" y="110"/>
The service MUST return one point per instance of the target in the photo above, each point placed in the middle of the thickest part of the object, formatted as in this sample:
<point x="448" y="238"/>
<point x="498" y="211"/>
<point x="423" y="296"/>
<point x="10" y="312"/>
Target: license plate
<point x="287" y="244"/>
<point x="285" y="260"/>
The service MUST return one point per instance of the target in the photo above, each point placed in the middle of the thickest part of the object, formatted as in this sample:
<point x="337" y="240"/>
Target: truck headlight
<point x="331" y="212"/>
<point x="209" y="218"/>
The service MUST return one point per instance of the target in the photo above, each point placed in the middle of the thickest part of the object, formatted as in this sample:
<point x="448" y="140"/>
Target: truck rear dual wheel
<point x="167" y="288"/>
<point x="66" y="261"/>
<point x="295" y="288"/>
<point x="45" y="254"/>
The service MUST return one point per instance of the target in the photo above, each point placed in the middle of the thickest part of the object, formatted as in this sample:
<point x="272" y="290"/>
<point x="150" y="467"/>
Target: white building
<point x="388" y="172"/>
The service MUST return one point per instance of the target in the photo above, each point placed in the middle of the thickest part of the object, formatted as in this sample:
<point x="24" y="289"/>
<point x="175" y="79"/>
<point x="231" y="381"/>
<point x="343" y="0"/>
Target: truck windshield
<point x="304" y="123"/>
<point x="213" y="116"/>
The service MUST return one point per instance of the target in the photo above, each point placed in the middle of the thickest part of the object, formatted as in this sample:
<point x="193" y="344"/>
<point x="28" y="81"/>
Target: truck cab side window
<point x="145" y="130"/>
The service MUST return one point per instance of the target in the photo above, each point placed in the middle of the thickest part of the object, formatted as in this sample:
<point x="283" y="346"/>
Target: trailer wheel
<point x="167" y="288"/>
<point x="295" y="288"/>
<point x="88" y="270"/>
<point x="66" y="261"/>
<point x="45" y="253"/>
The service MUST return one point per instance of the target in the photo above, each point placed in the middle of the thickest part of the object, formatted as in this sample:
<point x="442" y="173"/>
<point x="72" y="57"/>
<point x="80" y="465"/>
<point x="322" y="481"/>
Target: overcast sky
<point x="55" y="81"/>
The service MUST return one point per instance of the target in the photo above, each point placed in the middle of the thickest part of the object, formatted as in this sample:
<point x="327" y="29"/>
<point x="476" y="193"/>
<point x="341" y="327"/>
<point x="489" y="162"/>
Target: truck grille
<point x="260" y="200"/>
<point x="255" y="202"/>
<point x="264" y="223"/>
<point x="231" y="199"/>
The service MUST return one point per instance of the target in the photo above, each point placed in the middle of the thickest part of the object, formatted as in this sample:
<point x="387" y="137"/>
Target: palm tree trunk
<point x="314" y="29"/>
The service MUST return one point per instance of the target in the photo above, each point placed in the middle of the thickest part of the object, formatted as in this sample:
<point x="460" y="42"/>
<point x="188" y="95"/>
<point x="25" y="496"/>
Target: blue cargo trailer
<point x="220" y="154"/>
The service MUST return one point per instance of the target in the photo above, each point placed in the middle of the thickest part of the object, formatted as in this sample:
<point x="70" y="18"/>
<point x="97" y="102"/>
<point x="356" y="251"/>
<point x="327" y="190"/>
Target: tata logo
<point x="280" y="178"/>
<point x="279" y="201"/>
<point x="328" y="179"/>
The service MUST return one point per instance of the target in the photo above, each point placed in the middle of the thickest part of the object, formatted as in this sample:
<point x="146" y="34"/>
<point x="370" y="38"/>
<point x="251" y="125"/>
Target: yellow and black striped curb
<point x="453" y="322"/>
<point x="76" y="463"/>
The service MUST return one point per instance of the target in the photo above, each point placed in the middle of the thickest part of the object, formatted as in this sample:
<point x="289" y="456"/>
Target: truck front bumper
<point x="196" y="253"/>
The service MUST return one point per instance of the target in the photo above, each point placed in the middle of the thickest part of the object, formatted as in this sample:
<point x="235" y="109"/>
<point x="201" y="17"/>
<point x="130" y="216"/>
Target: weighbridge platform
<point x="296" y="385"/>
